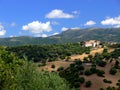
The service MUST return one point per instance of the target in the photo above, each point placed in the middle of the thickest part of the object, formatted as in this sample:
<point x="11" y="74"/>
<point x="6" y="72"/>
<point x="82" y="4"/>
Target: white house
<point x="92" y="43"/>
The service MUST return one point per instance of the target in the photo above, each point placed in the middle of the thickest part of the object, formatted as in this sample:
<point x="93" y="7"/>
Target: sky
<point x="43" y="18"/>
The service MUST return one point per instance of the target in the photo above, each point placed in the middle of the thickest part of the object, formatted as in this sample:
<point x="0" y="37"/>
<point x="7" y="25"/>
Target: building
<point x="92" y="43"/>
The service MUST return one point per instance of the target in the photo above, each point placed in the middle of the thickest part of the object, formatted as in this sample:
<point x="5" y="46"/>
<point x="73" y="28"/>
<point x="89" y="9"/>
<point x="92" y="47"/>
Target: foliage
<point x="101" y="89"/>
<point x="110" y="88"/>
<point x="20" y="74"/>
<point x="42" y="53"/>
<point x="107" y="81"/>
<point x="100" y="73"/>
<point x="88" y="72"/>
<point x="88" y="83"/>
<point x="69" y="36"/>
<point x="102" y="63"/>
<point x="60" y="68"/>
<point x="52" y="66"/>
<point x="113" y="71"/>
<point x="72" y="74"/>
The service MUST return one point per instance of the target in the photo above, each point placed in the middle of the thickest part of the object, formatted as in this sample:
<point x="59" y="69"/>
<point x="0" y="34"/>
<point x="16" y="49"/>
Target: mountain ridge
<point x="69" y="36"/>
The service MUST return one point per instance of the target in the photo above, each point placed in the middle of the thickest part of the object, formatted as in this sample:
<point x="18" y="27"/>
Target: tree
<point x="88" y="72"/>
<point x="81" y="79"/>
<point x="88" y="83"/>
<point x="52" y="66"/>
<point x="113" y="71"/>
<point x="101" y="89"/>
<point x="100" y="73"/>
<point x="20" y="74"/>
<point x="60" y="68"/>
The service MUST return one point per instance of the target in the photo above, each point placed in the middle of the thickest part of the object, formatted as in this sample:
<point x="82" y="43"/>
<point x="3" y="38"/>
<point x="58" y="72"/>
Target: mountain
<point x="71" y="35"/>
<point x="102" y="34"/>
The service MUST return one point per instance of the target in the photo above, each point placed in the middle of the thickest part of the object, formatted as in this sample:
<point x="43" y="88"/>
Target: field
<point x="97" y="82"/>
<point x="65" y="64"/>
<point x="97" y="50"/>
<point x="57" y="65"/>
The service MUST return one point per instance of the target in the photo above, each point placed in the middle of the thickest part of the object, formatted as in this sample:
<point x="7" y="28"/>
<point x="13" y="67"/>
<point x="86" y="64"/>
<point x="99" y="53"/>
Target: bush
<point x="88" y="83"/>
<point x="118" y="84"/>
<point x="81" y="79"/>
<point x="119" y="80"/>
<point x="101" y="89"/>
<point x="60" y="68"/>
<point x="41" y="64"/>
<point x="100" y="73"/>
<point x="110" y="88"/>
<point x="88" y="72"/>
<point x="107" y="81"/>
<point x="77" y="84"/>
<point x="102" y="63"/>
<point x="19" y="74"/>
<point x="113" y="71"/>
<point x="93" y="69"/>
<point x="53" y="66"/>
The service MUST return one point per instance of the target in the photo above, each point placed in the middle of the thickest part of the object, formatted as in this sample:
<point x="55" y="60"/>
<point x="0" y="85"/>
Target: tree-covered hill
<point x="71" y="35"/>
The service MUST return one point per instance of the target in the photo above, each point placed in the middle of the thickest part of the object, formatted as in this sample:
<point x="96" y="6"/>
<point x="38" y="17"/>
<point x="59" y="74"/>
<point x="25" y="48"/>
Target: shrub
<point x="101" y="89"/>
<point x="93" y="69"/>
<point x="88" y="72"/>
<point x="110" y="88"/>
<point x="60" y="68"/>
<point x="100" y="73"/>
<point x="118" y="84"/>
<point x="81" y="79"/>
<point x="77" y="84"/>
<point x="52" y="66"/>
<point x="113" y="71"/>
<point x="119" y="80"/>
<point x="107" y="81"/>
<point x="102" y="63"/>
<point x="88" y="83"/>
<point x="19" y="74"/>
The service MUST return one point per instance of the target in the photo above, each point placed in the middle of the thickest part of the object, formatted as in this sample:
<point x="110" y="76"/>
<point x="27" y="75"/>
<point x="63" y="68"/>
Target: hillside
<point x="71" y="35"/>
<point x="102" y="34"/>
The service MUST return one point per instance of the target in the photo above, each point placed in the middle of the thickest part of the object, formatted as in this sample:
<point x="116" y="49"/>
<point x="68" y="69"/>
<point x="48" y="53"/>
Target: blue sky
<point x="42" y="18"/>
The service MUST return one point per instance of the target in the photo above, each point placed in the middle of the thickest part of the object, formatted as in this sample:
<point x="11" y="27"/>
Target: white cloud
<point x="2" y="30"/>
<point x="112" y="21"/>
<point x="55" y="33"/>
<point x="64" y="29"/>
<point x="90" y="23"/>
<point x="13" y="24"/>
<point x="56" y="13"/>
<point x="76" y="12"/>
<point x="117" y="26"/>
<point x="37" y="27"/>
<point x="54" y="23"/>
<point x="11" y="36"/>
<point x="75" y="28"/>
<point x="44" y="35"/>
<point x="41" y="35"/>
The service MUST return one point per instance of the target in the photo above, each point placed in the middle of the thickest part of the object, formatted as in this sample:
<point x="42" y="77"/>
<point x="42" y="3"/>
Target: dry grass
<point x="81" y="57"/>
<point x="97" y="82"/>
<point x="97" y="50"/>
<point x="57" y="64"/>
<point x="73" y="57"/>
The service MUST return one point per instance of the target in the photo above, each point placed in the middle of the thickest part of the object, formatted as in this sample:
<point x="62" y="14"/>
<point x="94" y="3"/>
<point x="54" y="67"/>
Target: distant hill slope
<point x="102" y="34"/>
<point x="71" y="35"/>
